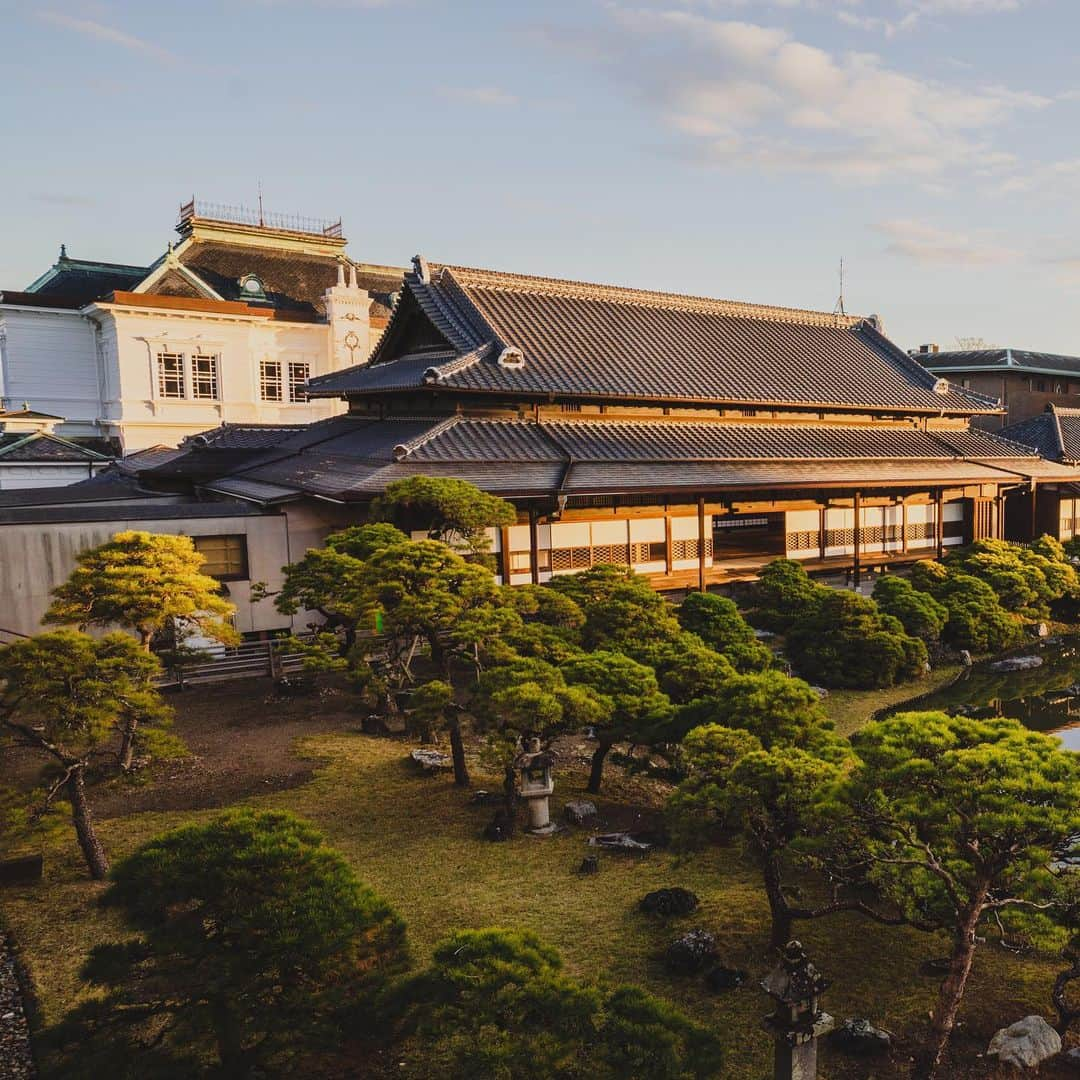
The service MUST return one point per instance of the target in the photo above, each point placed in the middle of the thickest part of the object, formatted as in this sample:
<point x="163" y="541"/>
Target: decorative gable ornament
<point x="941" y="386"/>
<point x="511" y="357"/>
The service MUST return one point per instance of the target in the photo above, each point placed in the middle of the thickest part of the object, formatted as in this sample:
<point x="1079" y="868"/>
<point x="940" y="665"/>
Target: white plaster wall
<point x="38" y="476"/>
<point x="48" y="358"/>
<point x="136" y="336"/>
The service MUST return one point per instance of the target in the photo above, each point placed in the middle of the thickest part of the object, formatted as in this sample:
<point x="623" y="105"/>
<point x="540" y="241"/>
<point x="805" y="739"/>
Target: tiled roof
<point x="350" y="458"/>
<point x="45" y="448"/>
<point x="604" y="343"/>
<point x="77" y="282"/>
<point x="294" y="281"/>
<point x="141" y="511"/>
<point x="243" y="436"/>
<point x="995" y="359"/>
<point x="1055" y="433"/>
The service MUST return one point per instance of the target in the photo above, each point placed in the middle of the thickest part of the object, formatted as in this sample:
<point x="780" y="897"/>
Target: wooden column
<point x="534" y="547"/>
<point x="667" y="540"/>
<point x="857" y="567"/>
<point x="939" y="522"/>
<point x="701" y="543"/>
<point x="504" y="541"/>
<point x="999" y="519"/>
<point x="1034" y="512"/>
<point x="823" y="519"/>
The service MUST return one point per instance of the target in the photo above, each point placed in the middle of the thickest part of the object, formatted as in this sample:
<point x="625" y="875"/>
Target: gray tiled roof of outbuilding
<point x="997" y="358"/>
<point x="600" y="342"/>
<point x="1055" y="433"/>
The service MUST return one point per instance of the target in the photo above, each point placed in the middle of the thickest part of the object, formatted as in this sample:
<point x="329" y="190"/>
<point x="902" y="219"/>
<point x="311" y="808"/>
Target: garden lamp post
<point x="535" y="786"/>
<point x="796" y="987"/>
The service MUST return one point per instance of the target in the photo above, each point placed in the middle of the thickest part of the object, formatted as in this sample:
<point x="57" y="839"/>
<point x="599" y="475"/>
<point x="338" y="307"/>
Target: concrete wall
<point x="35" y="558"/>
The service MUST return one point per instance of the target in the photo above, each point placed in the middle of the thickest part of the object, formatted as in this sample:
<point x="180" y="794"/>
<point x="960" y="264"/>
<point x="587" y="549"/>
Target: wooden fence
<point x="251" y="660"/>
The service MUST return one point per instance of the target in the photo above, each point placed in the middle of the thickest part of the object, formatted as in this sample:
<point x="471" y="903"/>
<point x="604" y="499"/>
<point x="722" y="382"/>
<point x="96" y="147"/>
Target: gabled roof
<point x="1055" y="433"/>
<point x="294" y="281"/>
<point x="40" y="446"/>
<point x="353" y="458"/>
<point x="996" y="359"/>
<point x="479" y="331"/>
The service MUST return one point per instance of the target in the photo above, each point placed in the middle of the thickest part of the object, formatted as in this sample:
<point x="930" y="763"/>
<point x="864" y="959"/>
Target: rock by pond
<point x="579" y="812"/>
<point x="1016" y="663"/>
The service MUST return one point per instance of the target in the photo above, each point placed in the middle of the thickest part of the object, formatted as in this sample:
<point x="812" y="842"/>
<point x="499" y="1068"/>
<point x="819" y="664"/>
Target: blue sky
<point x="734" y="148"/>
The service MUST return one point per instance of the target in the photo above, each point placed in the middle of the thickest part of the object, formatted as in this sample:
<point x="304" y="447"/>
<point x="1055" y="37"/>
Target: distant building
<point x="225" y="327"/>
<point x="1026" y="382"/>
<point x="33" y="456"/>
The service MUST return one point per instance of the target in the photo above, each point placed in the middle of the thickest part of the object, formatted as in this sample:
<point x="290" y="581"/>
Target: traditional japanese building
<point x="692" y="439"/>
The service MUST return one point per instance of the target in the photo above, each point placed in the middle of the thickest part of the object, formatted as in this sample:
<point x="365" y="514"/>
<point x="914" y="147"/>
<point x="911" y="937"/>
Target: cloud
<point x="742" y="95"/>
<point x="110" y="34"/>
<point x="926" y="243"/>
<point x="480" y="95"/>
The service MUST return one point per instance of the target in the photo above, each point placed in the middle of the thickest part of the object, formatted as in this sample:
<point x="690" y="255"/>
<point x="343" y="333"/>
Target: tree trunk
<point x="1066" y="1013"/>
<point x="235" y="1061"/>
<point x="510" y="795"/>
<point x="782" y="919"/>
<point x="92" y="850"/>
<point x="457" y="751"/>
<point x="596" y="773"/>
<point x="943" y="1019"/>
<point x="127" y="743"/>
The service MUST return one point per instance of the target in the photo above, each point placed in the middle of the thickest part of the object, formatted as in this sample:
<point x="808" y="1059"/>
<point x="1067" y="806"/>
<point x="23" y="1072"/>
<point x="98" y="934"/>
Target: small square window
<point x="299" y="373"/>
<point x="204" y="376"/>
<point x="226" y="556"/>
<point x="270" y="387"/>
<point x="170" y="372"/>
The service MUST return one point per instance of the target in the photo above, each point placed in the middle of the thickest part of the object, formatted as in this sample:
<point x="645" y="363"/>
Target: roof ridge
<point x="465" y="277"/>
<point x="437" y="372"/>
<point x="403" y="449"/>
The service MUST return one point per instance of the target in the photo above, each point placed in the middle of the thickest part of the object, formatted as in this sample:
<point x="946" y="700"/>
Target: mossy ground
<point x="417" y="840"/>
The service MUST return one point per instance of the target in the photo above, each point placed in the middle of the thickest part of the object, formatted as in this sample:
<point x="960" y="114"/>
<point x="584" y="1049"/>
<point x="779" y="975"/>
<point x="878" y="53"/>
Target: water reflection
<point x="1046" y="698"/>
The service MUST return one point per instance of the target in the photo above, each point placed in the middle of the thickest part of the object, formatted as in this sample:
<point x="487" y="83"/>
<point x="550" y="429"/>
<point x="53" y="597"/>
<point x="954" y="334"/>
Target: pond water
<point x="1046" y="698"/>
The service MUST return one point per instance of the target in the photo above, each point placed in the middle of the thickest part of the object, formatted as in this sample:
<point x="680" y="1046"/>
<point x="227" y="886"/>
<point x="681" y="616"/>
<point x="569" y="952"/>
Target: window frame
<point x="214" y="376"/>
<point x="240" y="539"/>
<point x="297" y="396"/>
<point x="161" y="356"/>
<point x="266" y="366"/>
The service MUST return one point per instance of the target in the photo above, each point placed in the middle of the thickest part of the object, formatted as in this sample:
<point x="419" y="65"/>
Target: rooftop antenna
<point x="261" y="222"/>
<point x="839" y="309"/>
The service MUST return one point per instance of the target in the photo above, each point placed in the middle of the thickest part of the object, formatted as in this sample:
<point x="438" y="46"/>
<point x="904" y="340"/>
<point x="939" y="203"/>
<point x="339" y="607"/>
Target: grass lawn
<point x="416" y="840"/>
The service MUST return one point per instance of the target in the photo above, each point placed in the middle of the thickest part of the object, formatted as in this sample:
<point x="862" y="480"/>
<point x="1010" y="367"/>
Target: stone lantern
<point x="535" y="786"/>
<point x="796" y="987"/>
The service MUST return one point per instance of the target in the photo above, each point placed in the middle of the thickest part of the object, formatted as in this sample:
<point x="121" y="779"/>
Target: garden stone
<point x="501" y="827"/>
<point x="431" y="761"/>
<point x="725" y="978"/>
<point x="668" y="902"/>
<point x="1041" y="630"/>
<point x="965" y="658"/>
<point x="1025" y="1044"/>
<point x="858" y="1037"/>
<point x="590" y="865"/>
<point x="1072" y="1058"/>
<point x="690" y="953"/>
<point x="1017" y="663"/>
<point x="620" y="842"/>
<point x="579" y="812"/>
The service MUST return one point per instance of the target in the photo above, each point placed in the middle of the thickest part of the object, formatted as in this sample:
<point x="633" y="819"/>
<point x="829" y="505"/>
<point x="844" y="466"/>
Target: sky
<point x="730" y="148"/>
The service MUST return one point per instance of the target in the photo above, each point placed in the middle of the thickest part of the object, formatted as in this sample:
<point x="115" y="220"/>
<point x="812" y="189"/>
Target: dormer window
<point x="251" y="288"/>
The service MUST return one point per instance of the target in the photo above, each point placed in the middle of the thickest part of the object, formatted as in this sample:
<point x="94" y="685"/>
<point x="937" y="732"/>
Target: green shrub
<point x="848" y="642"/>
<point x="977" y="620"/>
<point x="784" y="595"/>
<point x="717" y="621"/>
<point x="920" y="614"/>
